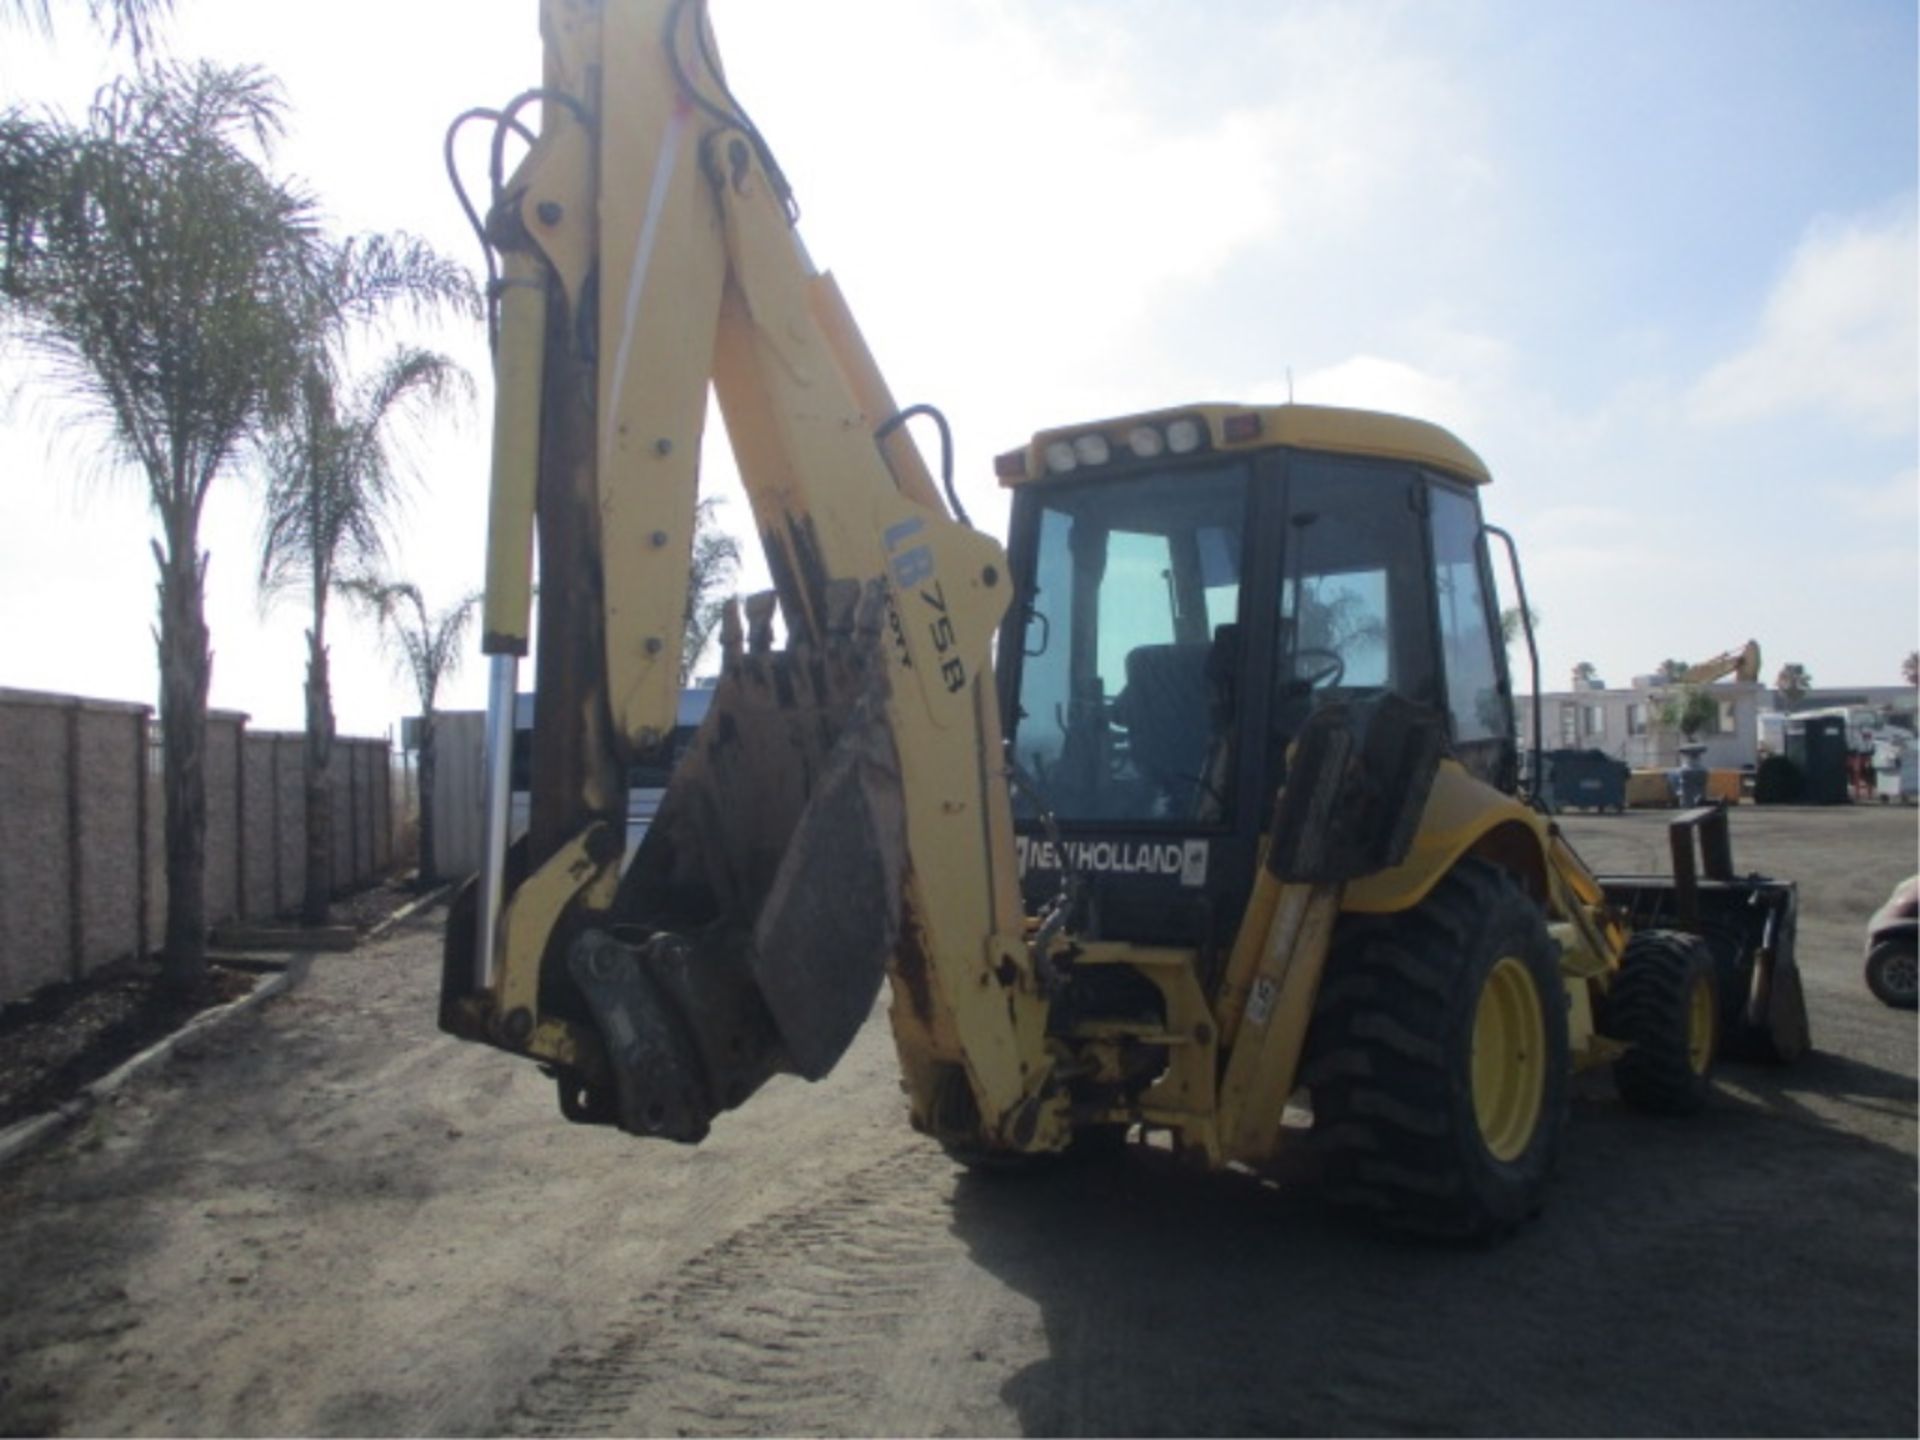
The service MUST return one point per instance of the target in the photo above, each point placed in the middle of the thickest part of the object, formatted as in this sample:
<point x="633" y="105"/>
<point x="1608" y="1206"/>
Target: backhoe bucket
<point x="787" y="811"/>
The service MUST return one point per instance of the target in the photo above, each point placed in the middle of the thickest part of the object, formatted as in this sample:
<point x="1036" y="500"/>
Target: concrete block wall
<point x="83" y="841"/>
<point x="380" y="806"/>
<point x="340" y="781"/>
<point x="224" y="729"/>
<point x="259" y="894"/>
<point x="112" y="756"/>
<point x="288" y="842"/>
<point x="36" y="847"/>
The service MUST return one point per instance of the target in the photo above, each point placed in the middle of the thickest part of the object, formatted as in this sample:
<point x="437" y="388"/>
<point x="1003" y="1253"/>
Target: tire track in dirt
<point x="781" y="1328"/>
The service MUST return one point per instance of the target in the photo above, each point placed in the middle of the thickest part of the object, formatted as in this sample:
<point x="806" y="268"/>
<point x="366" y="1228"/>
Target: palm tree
<point x="1584" y="674"/>
<point x="1673" y="670"/>
<point x="1910" y="667"/>
<point x="131" y="20"/>
<point x="1511" y="626"/>
<point x="167" y="279"/>
<point x="430" y="649"/>
<point x="332" y="487"/>
<point x="1690" y="709"/>
<point x="716" y="559"/>
<point x="1793" y="682"/>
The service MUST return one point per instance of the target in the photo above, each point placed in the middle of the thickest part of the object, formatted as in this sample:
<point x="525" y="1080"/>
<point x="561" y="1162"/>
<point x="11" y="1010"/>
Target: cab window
<point x="1476" y="702"/>
<point x="1124" y="711"/>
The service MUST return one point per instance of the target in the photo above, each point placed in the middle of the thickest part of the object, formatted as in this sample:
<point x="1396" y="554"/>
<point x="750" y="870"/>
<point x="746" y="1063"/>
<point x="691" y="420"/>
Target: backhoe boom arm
<point x="648" y="254"/>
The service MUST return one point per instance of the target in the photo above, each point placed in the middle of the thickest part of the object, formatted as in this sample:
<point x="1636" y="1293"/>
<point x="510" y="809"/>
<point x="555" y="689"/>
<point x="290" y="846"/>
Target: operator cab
<point x="1194" y="585"/>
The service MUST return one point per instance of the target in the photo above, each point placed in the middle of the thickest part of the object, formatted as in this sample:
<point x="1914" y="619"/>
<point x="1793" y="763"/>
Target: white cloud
<point x="1041" y="213"/>
<point x="1372" y="382"/>
<point x="1454" y="377"/>
<point x="1837" y="334"/>
<point x="1894" y="499"/>
<point x="1585" y="524"/>
<point x="1028" y="231"/>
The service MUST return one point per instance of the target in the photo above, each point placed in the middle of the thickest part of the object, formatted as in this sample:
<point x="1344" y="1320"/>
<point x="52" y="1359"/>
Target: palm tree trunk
<point x="429" y="863"/>
<point x="186" y="666"/>
<point x="318" y="893"/>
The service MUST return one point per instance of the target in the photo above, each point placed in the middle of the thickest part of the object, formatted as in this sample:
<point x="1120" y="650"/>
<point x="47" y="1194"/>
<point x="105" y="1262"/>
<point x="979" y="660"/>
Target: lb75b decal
<point x="913" y="574"/>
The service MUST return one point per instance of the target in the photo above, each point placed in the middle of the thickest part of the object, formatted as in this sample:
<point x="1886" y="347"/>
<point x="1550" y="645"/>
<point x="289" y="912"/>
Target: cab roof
<point x="1238" y="428"/>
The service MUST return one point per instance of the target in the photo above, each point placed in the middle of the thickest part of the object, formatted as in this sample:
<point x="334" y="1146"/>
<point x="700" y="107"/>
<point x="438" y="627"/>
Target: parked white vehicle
<point x="1896" y="766"/>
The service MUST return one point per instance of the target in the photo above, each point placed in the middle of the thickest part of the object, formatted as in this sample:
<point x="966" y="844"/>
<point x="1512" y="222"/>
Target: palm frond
<point x="375" y="276"/>
<point x="428" y="647"/>
<point x="156" y="266"/>
<point x="334" y="483"/>
<point x="131" y="20"/>
<point x="714" y="562"/>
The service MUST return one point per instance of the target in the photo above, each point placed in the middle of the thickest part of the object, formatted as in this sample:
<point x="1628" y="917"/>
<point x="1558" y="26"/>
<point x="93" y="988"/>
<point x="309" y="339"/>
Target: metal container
<point x="1818" y="745"/>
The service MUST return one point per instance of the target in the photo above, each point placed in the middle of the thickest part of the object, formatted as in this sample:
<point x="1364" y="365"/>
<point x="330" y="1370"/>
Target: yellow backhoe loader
<point x="1230" y="821"/>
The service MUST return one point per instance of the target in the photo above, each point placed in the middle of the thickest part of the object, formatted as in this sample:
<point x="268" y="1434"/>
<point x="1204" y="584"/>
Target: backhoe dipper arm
<point x="843" y="810"/>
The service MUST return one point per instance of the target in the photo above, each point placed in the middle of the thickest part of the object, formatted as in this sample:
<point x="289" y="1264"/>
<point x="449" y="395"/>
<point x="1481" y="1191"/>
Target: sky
<point x="1654" y="260"/>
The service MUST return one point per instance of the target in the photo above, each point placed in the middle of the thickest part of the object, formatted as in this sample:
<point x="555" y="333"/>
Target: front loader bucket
<point x="751" y="934"/>
<point x="1749" y="922"/>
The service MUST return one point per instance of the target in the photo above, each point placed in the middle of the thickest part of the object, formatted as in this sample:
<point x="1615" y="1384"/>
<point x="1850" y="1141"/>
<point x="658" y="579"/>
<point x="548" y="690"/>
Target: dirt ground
<point x="325" y="1218"/>
<point x="64" y="1037"/>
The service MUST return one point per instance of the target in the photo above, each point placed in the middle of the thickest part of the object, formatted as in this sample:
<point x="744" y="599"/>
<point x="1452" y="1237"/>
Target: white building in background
<point x="1625" y="724"/>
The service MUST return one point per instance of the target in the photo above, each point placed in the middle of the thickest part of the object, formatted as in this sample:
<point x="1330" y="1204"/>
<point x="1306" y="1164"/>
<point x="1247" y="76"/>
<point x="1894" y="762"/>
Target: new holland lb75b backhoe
<point x="1232" y="820"/>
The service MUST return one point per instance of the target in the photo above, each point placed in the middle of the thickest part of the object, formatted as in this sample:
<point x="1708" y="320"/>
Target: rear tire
<point x="1891" y="973"/>
<point x="1438" y="1060"/>
<point x="1665" y="1003"/>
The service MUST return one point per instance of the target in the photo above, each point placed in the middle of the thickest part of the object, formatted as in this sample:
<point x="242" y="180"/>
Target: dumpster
<point x="1650" y="790"/>
<point x="1818" y="746"/>
<point x="1725" y="787"/>
<point x="1585" y="780"/>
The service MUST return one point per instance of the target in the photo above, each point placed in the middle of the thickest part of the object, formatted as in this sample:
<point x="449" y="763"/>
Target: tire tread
<point x="1647" y="1008"/>
<point x="1386" y="1083"/>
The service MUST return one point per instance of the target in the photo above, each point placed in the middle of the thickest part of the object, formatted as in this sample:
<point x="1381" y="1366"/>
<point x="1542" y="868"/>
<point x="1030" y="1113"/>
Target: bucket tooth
<point x="760" y="610"/>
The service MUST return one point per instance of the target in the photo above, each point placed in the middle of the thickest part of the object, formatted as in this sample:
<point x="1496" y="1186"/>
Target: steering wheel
<point x="1315" y="667"/>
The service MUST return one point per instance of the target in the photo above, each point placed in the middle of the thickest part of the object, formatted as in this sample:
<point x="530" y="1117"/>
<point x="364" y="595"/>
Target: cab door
<point x="1473" y="671"/>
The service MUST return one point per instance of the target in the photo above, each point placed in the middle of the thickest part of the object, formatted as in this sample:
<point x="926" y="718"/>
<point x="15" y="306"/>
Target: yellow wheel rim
<point x="1509" y="1059"/>
<point x="1702" y="1025"/>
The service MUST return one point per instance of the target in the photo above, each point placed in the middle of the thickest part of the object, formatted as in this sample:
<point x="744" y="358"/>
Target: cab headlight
<point x="1092" y="449"/>
<point x="1146" y="441"/>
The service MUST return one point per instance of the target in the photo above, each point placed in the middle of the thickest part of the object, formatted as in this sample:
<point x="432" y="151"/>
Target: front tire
<point x="1438" y="1060"/>
<point x="1665" y="1003"/>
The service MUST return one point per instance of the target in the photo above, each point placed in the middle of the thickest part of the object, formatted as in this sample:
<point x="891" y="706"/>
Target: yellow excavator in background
<point x="1743" y="664"/>
<point x="1231" y="821"/>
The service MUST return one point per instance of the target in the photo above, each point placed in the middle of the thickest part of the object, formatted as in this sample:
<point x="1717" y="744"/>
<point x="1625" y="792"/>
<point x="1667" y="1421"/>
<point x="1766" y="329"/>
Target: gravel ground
<point x="324" y="1218"/>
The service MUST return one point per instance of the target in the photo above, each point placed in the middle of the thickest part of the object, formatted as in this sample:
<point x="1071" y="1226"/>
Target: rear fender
<point x="1463" y="816"/>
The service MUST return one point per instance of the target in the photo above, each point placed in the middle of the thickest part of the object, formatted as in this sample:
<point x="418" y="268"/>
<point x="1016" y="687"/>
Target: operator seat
<point x="1176" y="707"/>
